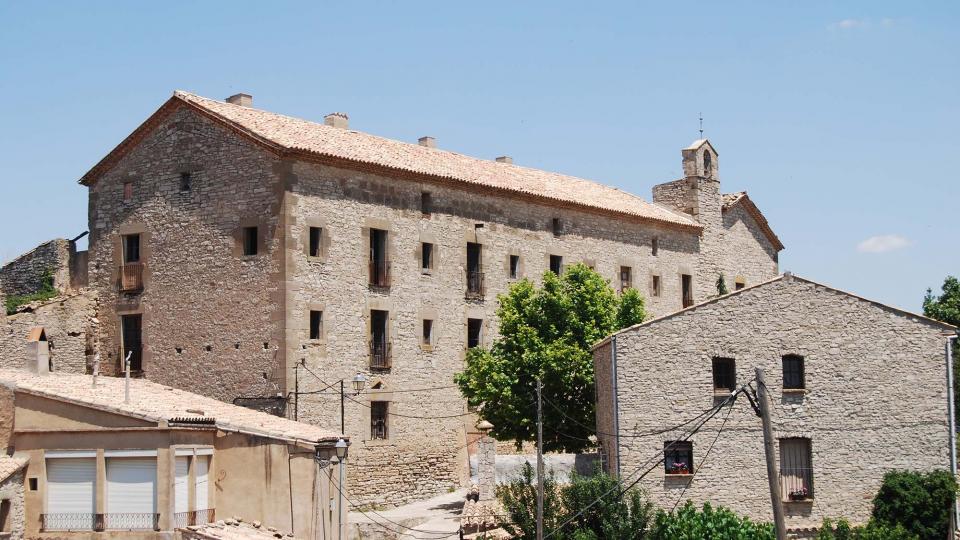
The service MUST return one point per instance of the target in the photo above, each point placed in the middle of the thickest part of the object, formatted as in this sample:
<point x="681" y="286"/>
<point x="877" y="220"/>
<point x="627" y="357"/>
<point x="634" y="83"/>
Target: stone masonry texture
<point x="227" y="325"/>
<point x="875" y="398"/>
<point x="11" y="490"/>
<point x="70" y="324"/>
<point x="24" y="275"/>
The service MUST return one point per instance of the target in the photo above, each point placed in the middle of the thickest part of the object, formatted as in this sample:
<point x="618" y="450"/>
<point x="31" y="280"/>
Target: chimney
<point x="337" y="120"/>
<point x="427" y="141"/>
<point x="505" y="159"/>
<point x="243" y="100"/>
<point x="38" y="351"/>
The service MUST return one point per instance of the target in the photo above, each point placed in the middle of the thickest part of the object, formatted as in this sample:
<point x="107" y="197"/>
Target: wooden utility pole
<point x="772" y="477"/>
<point x="539" y="461"/>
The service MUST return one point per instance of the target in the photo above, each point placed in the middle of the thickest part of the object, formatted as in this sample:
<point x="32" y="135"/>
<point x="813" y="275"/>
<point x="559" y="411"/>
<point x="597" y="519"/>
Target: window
<point x="556" y="264"/>
<point x="427" y="336"/>
<point x="655" y="286"/>
<point x="474" y="270"/>
<point x="654" y="246"/>
<point x="739" y="284"/>
<point x="557" y="226"/>
<point x="316" y="241"/>
<point x="379" y="411"/>
<point x="707" y="162"/>
<point x="793" y="376"/>
<point x="426" y="257"/>
<point x="724" y="375"/>
<point x="626" y="278"/>
<point x="686" y="286"/>
<point x="426" y="203"/>
<point x="131" y="494"/>
<point x="474" y="333"/>
<point x="71" y="493"/>
<point x="678" y="457"/>
<point x="131" y="248"/>
<point x="131" y="328"/>
<point x="514" y="266"/>
<point x="316" y="324"/>
<point x="200" y="488"/>
<point x="796" y="469"/>
<point x="185" y="179"/>
<point x="379" y="267"/>
<point x="379" y="339"/>
<point x="250" y="240"/>
<point x="5" y="521"/>
<point x="127" y="191"/>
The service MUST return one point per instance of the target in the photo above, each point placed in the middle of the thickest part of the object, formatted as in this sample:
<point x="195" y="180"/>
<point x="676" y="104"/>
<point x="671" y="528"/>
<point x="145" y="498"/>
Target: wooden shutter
<point x="71" y="488"/>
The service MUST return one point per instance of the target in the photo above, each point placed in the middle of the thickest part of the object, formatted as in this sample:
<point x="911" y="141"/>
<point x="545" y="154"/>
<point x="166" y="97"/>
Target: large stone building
<point x="856" y="389"/>
<point x="257" y="257"/>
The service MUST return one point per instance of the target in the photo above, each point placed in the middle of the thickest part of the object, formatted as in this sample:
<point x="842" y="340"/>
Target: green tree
<point x="546" y="332"/>
<point x="721" y="286"/>
<point x="709" y="523"/>
<point x="946" y="308"/>
<point x="519" y="499"/>
<point x="920" y="502"/>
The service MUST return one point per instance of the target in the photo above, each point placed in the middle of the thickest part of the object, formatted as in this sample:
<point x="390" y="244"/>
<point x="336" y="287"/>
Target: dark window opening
<point x="316" y="324"/>
<point x="379" y="339"/>
<point x="557" y="227"/>
<point x="250" y="240"/>
<point x="514" y="266"/>
<point x="316" y="244"/>
<point x="686" y="284"/>
<point x="33" y="483"/>
<point x="5" y="521"/>
<point x="426" y="256"/>
<point x="739" y="284"/>
<point x="678" y="457"/>
<point x="131" y="327"/>
<point x="654" y="246"/>
<point x="427" y="337"/>
<point x="474" y="269"/>
<point x="707" y="161"/>
<point x="626" y="278"/>
<point x="185" y="180"/>
<point x="724" y="375"/>
<point x="379" y="267"/>
<point x="426" y="203"/>
<point x="556" y="264"/>
<point x="793" y="374"/>
<point x="131" y="248"/>
<point x="655" y="286"/>
<point x="379" y="414"/>
<point x="796" y="469"/>
<point x="474" y="332"/>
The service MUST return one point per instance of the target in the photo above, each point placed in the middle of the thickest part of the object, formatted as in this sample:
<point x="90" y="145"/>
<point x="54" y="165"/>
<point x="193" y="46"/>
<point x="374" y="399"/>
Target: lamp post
<point x="341" y="448"/>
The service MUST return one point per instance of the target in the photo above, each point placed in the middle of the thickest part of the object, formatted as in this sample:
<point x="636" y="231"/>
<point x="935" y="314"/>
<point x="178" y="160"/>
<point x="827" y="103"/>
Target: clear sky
<point x="840" y="119"/>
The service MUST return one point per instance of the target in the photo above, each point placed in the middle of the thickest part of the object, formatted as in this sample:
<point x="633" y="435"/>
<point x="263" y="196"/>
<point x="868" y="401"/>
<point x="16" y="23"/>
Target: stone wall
<point x="748" y="254"/>
<point x="70" y="323"/>
<point x="11" y="490"/>
<point x="875" y="398"/>
<point x="24" y="275"/>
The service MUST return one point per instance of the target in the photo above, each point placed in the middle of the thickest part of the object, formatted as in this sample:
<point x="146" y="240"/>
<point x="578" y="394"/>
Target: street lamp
<point x="359" y="381"/>
<point x="341" y="448"/>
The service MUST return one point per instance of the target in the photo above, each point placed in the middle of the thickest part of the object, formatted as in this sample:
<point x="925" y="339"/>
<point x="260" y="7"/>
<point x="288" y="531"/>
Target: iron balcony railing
<point x="380" y="354"/>
<point x="378" y="428"/>
<point x="474" y="284"/>
<point x="796" y="483"/>
<point x="193" y="517"/>
<point x="379" y="274"/>
<point x="135" y="521"/>
<point x="131" y="278"/>
<point x="131" y="521"/>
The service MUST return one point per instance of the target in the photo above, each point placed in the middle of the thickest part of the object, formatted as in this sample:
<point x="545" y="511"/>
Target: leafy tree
<point x="546" y="332"/>
<point x="721" y="286"/>
<point x="710" y="523"/>
<point x="519" y="499"/>
<point x="946" y="308"/>
<point x="920" y="502"/>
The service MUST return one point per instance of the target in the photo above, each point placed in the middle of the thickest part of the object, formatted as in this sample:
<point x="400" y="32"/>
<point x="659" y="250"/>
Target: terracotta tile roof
<point x="288" y="135"/>
<point x="233" y="529"/>
<point x="156" y="403"/>
<point x="11" y="464"/>
<point x="729" y="200"/>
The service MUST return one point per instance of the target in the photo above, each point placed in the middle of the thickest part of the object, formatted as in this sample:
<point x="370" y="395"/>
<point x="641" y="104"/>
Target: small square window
<point x="474" y="333"/>
<point x="379" y="416"/>
<point x="426" y="257"/>
<point x="514" y="266"/>
<point x="316" y="324"/>
<point x="739" y="284"/>
<point x="426" y="203"/>
<point x="316" y="241"/>
<point x="678" y="457"/>
<point x="724" y="375"/>
<point x="127" y="191"/>
<point x="655" y="286"/>
<point x="185" y="181"/>
<point x="33" y="483"/>
<point x="250" y="240"/>
<point x="654" y="246"/>
<point x="427" y="337"/>
<point x="556" y="264"/>
<point x="793" y="375"/>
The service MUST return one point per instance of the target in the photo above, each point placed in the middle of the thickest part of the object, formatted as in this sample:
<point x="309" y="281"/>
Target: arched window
<point x="707" y="158"/>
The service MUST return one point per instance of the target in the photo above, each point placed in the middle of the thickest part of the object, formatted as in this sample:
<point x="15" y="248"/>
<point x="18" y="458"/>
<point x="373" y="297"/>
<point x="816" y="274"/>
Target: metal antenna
<point x="701" y="125"/>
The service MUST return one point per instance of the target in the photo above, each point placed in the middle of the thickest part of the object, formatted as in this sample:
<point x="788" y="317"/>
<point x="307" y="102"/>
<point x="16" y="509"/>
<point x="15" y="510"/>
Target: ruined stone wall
<point x="875" y="398"/>
<point x="212" y="319"/>
<point x="11" y="490"/>
<point x="24" y="275"/>
<point x="70" y="323"/>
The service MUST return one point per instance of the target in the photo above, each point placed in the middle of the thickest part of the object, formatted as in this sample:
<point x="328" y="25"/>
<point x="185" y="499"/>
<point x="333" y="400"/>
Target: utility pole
<point x="539" y="461"/>
<point x="772" y="477"/>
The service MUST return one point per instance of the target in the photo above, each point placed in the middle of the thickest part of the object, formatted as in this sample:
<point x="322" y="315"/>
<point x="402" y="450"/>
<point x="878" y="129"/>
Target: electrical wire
<point x="705" y="455"/>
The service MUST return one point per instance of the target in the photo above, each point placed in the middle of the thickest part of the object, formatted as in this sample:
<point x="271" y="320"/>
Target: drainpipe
<point x="953" y="426"/>
<point x="616" y="398"/>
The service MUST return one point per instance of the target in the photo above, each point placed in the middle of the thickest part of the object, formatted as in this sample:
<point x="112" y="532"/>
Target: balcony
<point x="380" y="357"/>
<point x="380" y="274"/>
<point x="142" y="521"/>
<point x="193" y="517"/>
<point x="796" y="484"/>
<point x="475" y="288"/>
<point x="130" y="278"/>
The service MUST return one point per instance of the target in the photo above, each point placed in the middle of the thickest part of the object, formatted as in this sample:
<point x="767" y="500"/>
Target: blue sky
<point x="841" y="119"/>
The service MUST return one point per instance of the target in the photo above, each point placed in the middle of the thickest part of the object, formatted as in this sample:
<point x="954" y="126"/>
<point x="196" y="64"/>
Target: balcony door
<point x="132" y="329"/>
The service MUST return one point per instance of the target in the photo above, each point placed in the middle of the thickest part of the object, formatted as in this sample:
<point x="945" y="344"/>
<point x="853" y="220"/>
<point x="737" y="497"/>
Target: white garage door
<point x="71" y="487"/>
<point x="131" y="493"/>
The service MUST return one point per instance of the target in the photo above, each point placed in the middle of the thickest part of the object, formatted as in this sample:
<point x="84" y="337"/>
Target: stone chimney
<point x="427" y="141"/>
<point x="244" y="100"/>
<point x="38" y="351"/>
<point x="504" y="159"/>
<point x="337" y="120"/>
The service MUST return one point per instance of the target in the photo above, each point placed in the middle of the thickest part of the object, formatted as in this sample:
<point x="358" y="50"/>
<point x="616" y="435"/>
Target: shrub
<point x="920" y="502"/>
<point x="710" y="523"/>
<point x="871" y="531"/>
<point x="519" y="499"/>
<point x="46" y="292"/>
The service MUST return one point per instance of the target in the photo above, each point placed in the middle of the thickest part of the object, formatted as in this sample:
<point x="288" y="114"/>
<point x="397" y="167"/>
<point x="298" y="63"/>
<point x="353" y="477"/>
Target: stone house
<point x="856" y="389"/>
<point x="96" y="464"/>
<point x="11" y="496"/>
<point x="261" y="259"/>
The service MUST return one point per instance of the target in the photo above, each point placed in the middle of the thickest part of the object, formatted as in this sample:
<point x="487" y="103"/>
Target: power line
<point x="704" y="460"/>
<point x="633" y="435"/>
